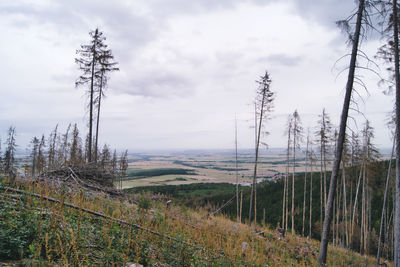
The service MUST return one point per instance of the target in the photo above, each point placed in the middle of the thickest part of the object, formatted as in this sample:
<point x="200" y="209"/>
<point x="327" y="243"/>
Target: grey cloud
<point x="281" y="60"/>
<point x="69" y="16"/>
<point x="158" y="84"/>
<point x="184" y="7"/>
<point x="325" y="12"/>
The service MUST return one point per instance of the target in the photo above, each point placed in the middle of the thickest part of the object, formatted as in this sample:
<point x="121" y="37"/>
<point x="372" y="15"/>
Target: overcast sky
<point x="187" y="67"/>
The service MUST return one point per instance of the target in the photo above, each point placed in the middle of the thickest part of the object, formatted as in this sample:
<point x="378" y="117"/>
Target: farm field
<point x="174" y="168"/>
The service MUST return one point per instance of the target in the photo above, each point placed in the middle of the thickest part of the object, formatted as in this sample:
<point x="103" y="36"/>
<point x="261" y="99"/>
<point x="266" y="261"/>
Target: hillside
<point x="42" y="225"/>
<point x="269" y="198"/>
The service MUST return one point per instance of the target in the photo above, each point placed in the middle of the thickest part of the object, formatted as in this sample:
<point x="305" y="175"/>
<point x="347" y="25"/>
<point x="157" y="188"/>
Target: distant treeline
<point x="208" y="166"/>
<point x="139" y="174"/>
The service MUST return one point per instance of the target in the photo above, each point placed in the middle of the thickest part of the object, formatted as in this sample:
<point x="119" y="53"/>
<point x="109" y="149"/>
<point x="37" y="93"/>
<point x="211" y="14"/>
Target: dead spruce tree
<point x="362" y="21"/>
<point x="236" y="173"/>
<point x="311" y="158"/>
<point x="390" y="53"/>
<point x="285" y="204"/>
<point x="88" y="62"/>
<point x="264" y="100"/>
<point x="323" y="136"/>
<point x="297" y="133"/>
<point x="106" y="65"/>
<point x="307" y="157"/>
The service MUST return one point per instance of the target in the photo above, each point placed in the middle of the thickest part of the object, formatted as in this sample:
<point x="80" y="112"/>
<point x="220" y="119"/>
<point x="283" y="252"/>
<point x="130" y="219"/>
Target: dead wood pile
<point x="89" y="176"/>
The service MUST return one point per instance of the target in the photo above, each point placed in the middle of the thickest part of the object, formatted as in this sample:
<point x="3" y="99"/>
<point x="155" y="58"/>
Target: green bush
<point x="17" y="232"/>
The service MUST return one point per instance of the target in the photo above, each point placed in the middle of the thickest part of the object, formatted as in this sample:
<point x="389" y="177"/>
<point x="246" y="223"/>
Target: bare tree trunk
<point x="355" y="205"/>
<point x="241" y="206"/>
<point x="345" y="206"/>
<point x="287" y="202"/>
<point x="98" y="121"/>
<point x="362" y="239"/>
<point x="91" y="108"/>
<point x="255" y="206"/>
<point x="253" y="192"/>
<point x="285" y="195"/>
<point x="378" y="254"/>
<point x="311" y="187"/>
<point x="325" y="181"/>
<point x="322" y="206"/>
<point x="264" y="217"/>
<point x="338" y="210"/>
<point x="305" y="187"/>
<point x="351" y="214"/>
<point x="294" y="170"/>
<point x="397" y="134"/>
<point x="237" y="175"/>
<point x="341" y="137"/>
<point x="284" y="202"/>
<point x="333" y="223"/>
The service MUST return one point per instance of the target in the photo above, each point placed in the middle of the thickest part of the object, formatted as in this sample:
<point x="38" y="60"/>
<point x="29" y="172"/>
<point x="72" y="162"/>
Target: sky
<point x="187" y="68"/>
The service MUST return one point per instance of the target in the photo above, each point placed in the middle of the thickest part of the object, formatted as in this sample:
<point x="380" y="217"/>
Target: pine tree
<point x="9" y="155"/>
<point x="34" y="155"/>
<point x="41" y="159"/>
<point x="52" y="148"/>
<point x="64" y="146"/>
<point x="114" y="162"/>
<point x="105" y="157"/>
<point x="75" y="153"/>
<point x="123" y="166"/>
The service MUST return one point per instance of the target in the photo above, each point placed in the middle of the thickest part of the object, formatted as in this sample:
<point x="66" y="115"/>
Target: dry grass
<point x="71" y="237"/>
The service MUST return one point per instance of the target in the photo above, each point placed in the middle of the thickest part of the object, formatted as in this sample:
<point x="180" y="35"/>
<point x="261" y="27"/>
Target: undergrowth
<point x="33" y="229"/>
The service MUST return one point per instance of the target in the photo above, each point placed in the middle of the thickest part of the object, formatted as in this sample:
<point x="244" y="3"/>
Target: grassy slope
<point x="39" y="231"/>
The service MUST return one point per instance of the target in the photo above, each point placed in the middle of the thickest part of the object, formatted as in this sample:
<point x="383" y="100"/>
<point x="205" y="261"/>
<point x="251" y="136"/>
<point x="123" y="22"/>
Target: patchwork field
<point x="173" y="168"/>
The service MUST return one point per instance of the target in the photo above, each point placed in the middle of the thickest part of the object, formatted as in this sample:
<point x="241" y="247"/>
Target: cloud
<point x="325" y="12"/>
<point x="281" y="60"/>
<point x="158" y="84"/>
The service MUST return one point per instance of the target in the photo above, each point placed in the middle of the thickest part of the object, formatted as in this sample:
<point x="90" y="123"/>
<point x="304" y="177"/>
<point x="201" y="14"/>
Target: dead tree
<point x="88" y="62"/>
<point x="324" y="136"/>
<point x="264" y="99"/>
<point x="305" y="181"/>
<point x="397" y="134"/>
<point x="378" y="253"/>
<point x="355" y="38"/>
<point x="285" y="182"/>
<point x="297" y="138"/>
<point x="237" y="174"/>
<point x="106" y="65"/>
